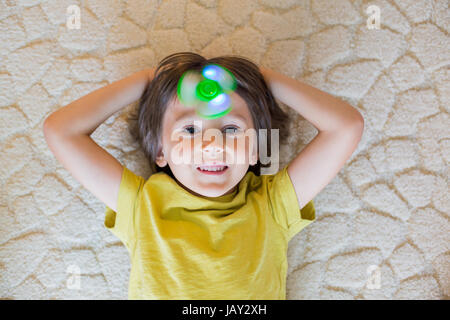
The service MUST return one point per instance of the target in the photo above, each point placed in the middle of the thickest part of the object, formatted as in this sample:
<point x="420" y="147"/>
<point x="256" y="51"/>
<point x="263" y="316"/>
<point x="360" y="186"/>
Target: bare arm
<point x="67" y="132"/>
<point x="323" y="110"/>
<point x="84" y="115"/>
<point x="340" y="129"/>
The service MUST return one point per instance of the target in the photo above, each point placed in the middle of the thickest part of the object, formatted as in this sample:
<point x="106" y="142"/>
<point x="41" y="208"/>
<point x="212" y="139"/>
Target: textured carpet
<point x="382" y="229"/>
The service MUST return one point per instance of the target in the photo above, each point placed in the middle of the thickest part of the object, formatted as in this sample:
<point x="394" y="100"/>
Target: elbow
<point x="48" y="128"/>
<point x="360" y="118"/>
<point x="359" y="127"/>
<point x="355" y="128"/>
<point x="357" y="122"/>
<point x="361" y="122"/>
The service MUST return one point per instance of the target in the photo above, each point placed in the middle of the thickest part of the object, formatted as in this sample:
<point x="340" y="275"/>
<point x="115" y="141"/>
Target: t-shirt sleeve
<point x="284" y="204"/>
<point x="121" y="223"/>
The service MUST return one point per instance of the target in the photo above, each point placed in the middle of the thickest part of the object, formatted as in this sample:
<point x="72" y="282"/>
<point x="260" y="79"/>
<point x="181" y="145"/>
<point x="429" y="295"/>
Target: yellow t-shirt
<point x="187" y="247"/>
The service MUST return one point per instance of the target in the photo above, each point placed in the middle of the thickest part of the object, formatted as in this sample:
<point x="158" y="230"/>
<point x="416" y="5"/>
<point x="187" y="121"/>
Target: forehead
<point x="176" y="111"/>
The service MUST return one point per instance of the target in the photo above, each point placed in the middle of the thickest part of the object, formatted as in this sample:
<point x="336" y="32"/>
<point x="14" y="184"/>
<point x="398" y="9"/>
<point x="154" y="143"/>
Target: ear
<point x="160" y="159"/>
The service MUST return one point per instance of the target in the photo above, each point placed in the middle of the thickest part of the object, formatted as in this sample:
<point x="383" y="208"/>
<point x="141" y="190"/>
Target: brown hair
<point x="251" y="87"/>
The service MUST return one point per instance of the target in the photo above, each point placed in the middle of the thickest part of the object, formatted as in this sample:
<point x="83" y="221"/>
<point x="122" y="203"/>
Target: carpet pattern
<point x="382" y="228"/>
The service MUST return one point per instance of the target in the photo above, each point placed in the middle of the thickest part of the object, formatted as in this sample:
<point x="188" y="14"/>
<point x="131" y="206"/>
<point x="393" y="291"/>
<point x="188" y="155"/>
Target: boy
<point x="192" y="234"/>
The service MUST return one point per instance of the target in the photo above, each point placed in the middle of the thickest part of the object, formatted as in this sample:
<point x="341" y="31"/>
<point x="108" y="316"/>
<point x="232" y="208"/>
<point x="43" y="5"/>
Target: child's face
<point x="189" y="141"/>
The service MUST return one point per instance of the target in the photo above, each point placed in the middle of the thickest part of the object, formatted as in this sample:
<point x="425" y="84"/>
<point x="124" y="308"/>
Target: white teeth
<point x="212" y="168"/>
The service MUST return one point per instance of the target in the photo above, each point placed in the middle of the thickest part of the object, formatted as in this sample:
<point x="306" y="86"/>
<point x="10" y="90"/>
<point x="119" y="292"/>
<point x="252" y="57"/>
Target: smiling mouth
<point x="212" y="170"/>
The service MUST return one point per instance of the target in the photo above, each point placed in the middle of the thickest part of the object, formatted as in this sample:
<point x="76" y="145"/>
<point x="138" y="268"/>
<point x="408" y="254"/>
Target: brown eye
<point x="189" y="129"/>
<point x="236" y="129"/>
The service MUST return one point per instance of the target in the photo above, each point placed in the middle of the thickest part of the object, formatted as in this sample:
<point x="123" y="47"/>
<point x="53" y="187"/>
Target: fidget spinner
<point x="208" y="91"/>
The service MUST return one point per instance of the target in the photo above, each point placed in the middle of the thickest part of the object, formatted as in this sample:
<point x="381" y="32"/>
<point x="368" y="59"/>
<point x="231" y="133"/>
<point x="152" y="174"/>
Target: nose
<point x="213" y="147"/>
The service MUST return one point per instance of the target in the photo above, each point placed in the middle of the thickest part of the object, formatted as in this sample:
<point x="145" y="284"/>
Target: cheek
<point x="237" y="148"/>
<point x="180" y="151"/>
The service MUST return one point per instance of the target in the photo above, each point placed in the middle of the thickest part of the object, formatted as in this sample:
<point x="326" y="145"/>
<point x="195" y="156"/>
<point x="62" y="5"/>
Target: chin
<point x="211" y="194"/>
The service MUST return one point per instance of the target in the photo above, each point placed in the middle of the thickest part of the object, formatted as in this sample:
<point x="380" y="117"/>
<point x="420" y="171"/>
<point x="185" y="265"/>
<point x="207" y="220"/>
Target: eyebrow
<point x="190" y="115"/>
<point x="185" y="114"/>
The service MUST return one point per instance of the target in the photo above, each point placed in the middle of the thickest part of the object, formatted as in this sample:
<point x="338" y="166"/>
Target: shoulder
<point x="262" y="182"/>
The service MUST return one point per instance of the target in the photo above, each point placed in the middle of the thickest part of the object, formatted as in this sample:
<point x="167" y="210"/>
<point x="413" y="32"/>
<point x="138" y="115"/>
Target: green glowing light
<point x="208" y="91"/>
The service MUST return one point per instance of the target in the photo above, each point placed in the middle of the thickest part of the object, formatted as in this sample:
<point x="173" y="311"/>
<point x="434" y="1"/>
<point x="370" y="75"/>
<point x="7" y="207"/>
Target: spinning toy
<point x="209" y="91"/>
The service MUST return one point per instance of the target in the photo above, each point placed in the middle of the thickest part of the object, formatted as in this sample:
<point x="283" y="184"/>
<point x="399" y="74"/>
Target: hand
<point x="151" y="74"/>
<point x="265" y="71"/>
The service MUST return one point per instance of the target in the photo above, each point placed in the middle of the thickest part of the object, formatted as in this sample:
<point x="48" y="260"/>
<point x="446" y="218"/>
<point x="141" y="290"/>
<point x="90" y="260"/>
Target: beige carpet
<point x="382" y="229"/>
